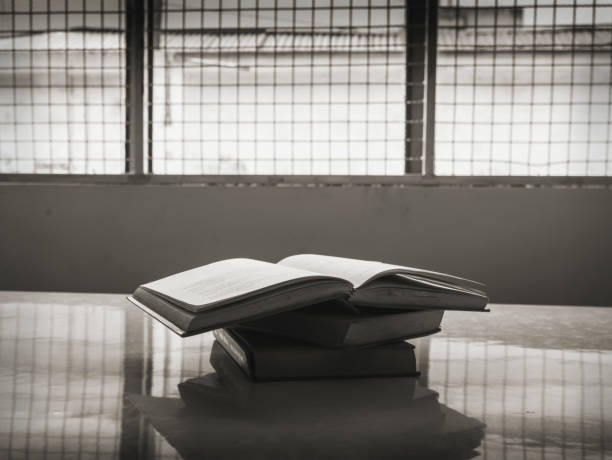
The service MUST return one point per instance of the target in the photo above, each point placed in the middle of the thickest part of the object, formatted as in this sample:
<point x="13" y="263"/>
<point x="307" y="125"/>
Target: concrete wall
<point x="542" y="245"/>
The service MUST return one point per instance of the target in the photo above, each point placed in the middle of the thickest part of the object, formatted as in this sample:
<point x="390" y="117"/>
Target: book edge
<point x="170" y="325"/>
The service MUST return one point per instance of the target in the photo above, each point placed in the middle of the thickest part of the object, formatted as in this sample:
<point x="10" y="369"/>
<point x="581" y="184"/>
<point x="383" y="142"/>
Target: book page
<point x="443" y="285"/>
<point x="360" y="272"/>
<point x="225" y="280"/>
<point x="353" y="270"/>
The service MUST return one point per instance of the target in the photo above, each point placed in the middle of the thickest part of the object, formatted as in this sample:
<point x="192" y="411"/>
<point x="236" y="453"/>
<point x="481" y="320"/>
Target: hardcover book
<point x="337" y="323"/>
<point x="233" y="291"/>
<point x="280" y="396"/>
<point x="309" y="398"/>
<point x="263" y="357"/>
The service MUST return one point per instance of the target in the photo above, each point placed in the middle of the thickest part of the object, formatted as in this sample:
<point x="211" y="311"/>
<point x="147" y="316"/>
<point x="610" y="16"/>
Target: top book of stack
<point x="234" y="291"/>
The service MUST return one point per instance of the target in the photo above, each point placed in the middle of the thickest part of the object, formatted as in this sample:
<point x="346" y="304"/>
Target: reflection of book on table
<point x="381" y="418"/>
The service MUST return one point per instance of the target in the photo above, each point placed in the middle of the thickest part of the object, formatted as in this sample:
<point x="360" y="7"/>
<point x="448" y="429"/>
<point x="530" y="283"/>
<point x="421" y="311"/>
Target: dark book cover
<point x="263" y="357"/>
<point x="338" y="395"/>
<point x="339" y="324"/>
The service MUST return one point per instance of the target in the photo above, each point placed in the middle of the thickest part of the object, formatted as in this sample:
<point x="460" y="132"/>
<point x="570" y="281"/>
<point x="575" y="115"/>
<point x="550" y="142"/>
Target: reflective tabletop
<point x="91" y="376"/>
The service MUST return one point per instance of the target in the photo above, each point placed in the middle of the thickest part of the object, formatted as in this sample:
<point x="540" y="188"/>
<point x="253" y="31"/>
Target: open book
<point x="378" y="284"/>
<point x="232" y="291"/>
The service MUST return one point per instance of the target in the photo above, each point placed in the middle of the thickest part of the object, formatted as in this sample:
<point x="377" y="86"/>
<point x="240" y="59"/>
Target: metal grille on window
<point x="270" y="87"/>
<point x="62" y="86"/>
<point x="524" y="87"/>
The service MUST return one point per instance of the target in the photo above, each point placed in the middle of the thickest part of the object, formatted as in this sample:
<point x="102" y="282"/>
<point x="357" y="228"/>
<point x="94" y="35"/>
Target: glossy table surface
<point x="91" y="376"/>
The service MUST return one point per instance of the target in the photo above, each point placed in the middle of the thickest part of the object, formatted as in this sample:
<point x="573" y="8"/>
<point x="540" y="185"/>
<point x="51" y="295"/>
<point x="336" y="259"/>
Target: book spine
<point x="392" y="360"/>
<point x="234" y="349"/>
<point x="228" y="370"/>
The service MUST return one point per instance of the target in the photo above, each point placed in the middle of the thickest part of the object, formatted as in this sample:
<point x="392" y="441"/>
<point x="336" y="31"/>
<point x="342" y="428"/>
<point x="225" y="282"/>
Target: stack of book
<point x="310" y="316"/>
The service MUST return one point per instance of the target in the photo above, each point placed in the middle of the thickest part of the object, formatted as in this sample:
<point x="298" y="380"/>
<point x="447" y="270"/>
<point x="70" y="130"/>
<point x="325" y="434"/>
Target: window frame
<point x="138" y="13"/>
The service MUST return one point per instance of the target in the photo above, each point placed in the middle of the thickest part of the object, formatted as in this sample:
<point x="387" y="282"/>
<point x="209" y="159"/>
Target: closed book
<point x="358" y="394"/>
<point x="337" y="323"/>
<point x="230" y="376"/>
<point x="264" y="357"/>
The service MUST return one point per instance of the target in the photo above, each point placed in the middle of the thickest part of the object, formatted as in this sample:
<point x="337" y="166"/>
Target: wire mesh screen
<point x="62" y="86"/>
<point x="536" y="402"/>
<point x="274" y="87"/>
<point x="524" y="87"/>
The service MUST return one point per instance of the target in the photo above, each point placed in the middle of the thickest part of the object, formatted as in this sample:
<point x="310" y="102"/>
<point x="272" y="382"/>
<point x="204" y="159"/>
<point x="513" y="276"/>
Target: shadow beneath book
<point x="225" y="415"/>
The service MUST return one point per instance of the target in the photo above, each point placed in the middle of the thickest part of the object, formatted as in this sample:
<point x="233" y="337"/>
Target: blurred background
<point x="522" y="87"/>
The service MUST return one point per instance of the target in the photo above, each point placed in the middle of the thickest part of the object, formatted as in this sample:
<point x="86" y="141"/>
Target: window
<point x="62" y="87"/>
<point x="274" y="87"/>
<point x="315" y="88"/>
<point x="524" y="88"/>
